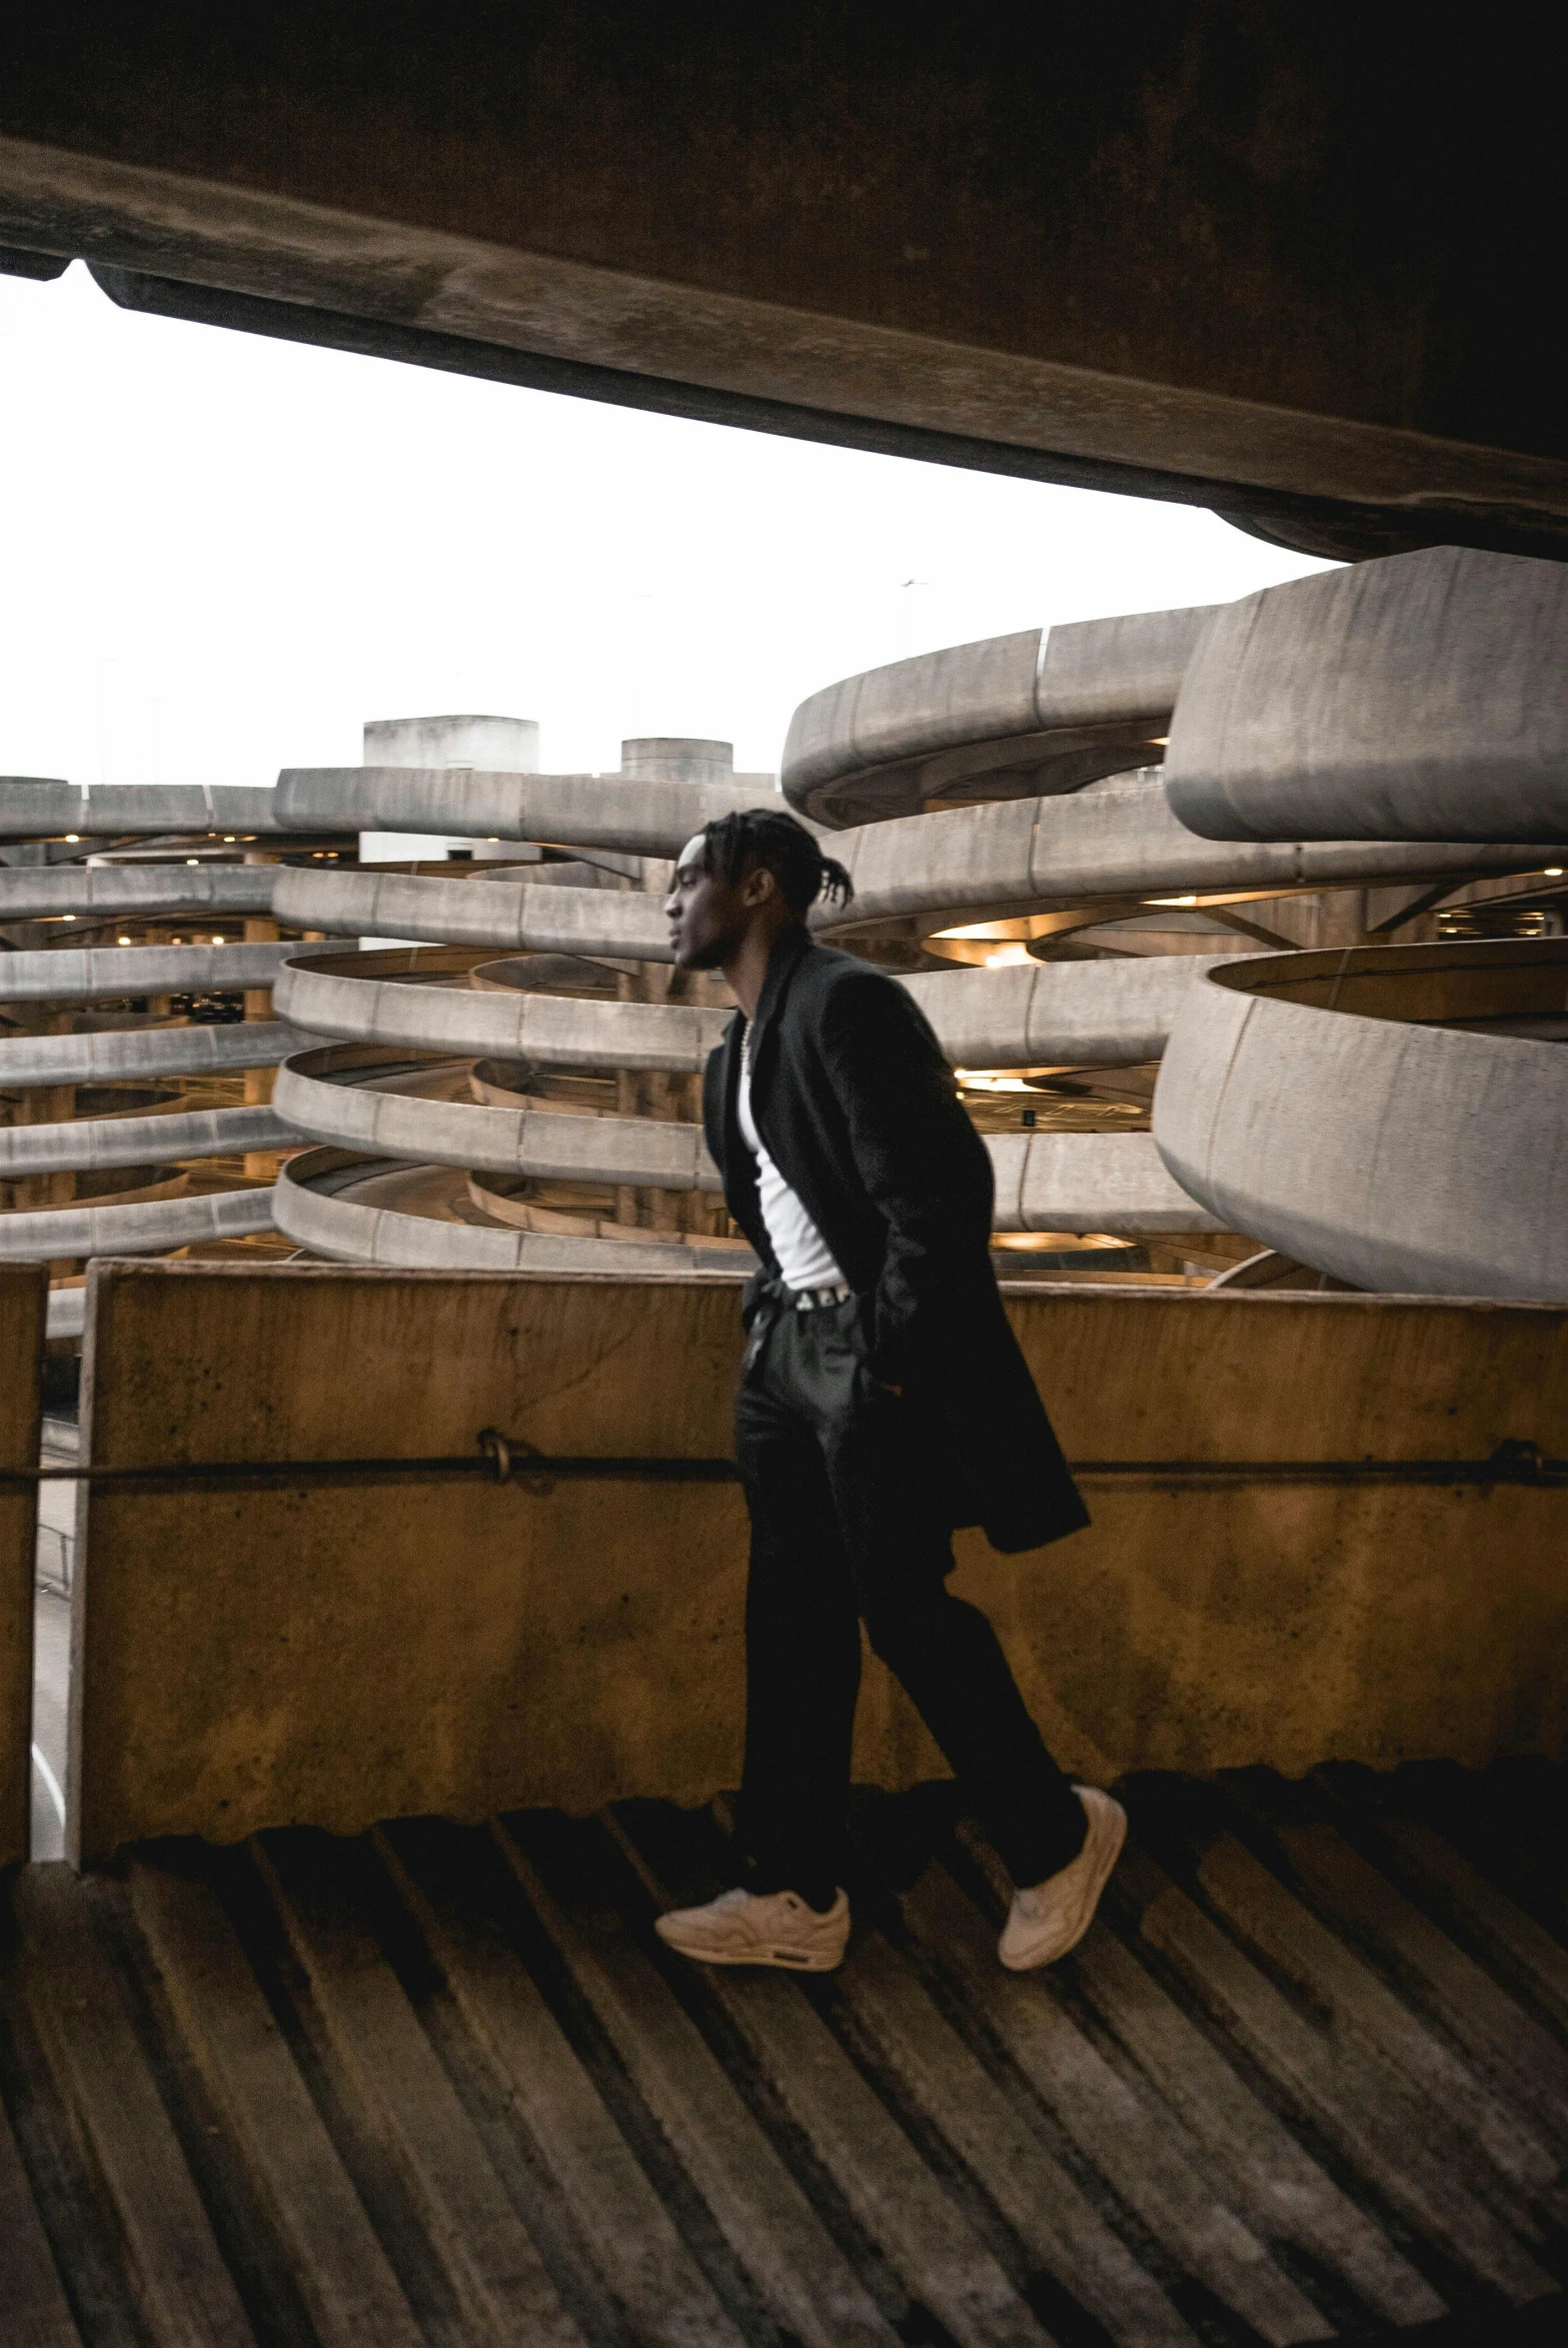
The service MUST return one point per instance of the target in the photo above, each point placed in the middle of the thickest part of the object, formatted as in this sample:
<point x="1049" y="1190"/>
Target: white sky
<point x="222" y="554"/>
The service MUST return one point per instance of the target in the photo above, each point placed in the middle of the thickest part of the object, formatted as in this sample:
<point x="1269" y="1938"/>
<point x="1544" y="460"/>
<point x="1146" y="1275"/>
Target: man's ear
<point x="759" y="886"/>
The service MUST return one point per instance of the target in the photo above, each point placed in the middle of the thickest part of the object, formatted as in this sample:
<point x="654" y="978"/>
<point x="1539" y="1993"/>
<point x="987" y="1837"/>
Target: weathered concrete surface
<point x="47" y="809"/>
<point x="69" y="975"/>
<point x="1421" y="698"/>
<point x="527" y="915"/>
<point x="81" y="1144"/>
<point x="31" y="893"/>
<point x="1081" y="260"/>
<point x="315" y="1204"/>
<point x="52" y="1233"/>
<point x="145" y="1051"/>
<point x="24" y="1292"/>
<point x="1313" y="1101"/>
<point x="1091" y="1183"/>
<point x="1119" y="839"/>
<point x="348" y="996"/>
<point x="1113" y="1012"/>
<point x="1012" y="717"/>
<point x="579" y="810"/>
<point x="334" y="1097"/>
<point x="590" y="1647"/>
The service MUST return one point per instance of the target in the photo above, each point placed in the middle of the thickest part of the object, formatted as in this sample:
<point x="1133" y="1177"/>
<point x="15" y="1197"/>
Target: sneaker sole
<point x="1101" y="1876"/>
<point x="789" y="1960"/>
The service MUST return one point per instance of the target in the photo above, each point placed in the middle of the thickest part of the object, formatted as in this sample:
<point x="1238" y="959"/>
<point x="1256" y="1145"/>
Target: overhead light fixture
<point x="1170" y="899"/>
<point x="73" y="837"/>
<point x="192" y="860"/>
<point x="229" y="836"/>
<point x="123" y="940"/>
<point x="217" y="942"/>
<point x="1552" y="872"/>
<point x="68" y="917"/>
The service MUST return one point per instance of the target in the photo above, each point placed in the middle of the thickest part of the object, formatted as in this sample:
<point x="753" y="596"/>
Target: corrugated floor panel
<point x="1306" y="2080"/>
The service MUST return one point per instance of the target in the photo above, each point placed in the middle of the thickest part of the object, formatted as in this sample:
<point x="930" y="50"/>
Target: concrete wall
<point x="24" y="1292"/>
<point x="337" y="1655"/>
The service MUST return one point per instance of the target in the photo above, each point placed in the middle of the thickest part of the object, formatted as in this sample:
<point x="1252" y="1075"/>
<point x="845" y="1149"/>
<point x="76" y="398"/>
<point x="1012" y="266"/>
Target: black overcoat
<point x="858" y="1110"/>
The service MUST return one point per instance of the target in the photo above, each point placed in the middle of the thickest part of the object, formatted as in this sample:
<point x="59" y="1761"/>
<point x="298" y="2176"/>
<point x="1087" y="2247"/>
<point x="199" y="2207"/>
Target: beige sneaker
<point x="760" y="1928"/>
<point x="1050" y="1918"/>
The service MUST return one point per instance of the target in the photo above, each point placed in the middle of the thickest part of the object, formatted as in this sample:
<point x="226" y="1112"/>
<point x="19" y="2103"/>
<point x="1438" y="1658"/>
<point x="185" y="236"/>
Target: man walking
<point x="883" y="1401"/>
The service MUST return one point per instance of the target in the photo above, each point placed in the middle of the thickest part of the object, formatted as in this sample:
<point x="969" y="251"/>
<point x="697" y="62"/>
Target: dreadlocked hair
<point x="767" y="836"/>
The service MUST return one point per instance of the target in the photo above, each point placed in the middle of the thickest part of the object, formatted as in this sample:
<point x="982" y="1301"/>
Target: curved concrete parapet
<point x="334" y="1097"/>
<point x="1119" y="839"/>
<point x="71" y="975"/>
<point x="1396" y="1115"/>
<point x="33" y="808"/>
<point x="328" y="995"/>
<point x="146" y="1052"/>
<point x="1116" y="841"/>
<point x="32" y="893"/>
<point x="169" y="1137"/>
<point x="1090" y="1183"/>
<point x="1112" y="1014"/>
<point x="534" y="916"/>
<point x="635" y="816"/>
<point x="147" y="1229"/>
<point x="1012" y="717"/>
<point x="1421" y="697"/>
<point x="313" y="1208"/>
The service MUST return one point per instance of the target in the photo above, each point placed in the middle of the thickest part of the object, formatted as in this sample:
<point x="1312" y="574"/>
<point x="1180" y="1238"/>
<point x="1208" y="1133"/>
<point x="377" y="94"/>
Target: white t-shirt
<point x="803" y="1258"/>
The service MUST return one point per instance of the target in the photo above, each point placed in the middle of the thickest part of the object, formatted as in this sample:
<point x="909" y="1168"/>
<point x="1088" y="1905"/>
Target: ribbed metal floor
<point x="1306" y="2080"/>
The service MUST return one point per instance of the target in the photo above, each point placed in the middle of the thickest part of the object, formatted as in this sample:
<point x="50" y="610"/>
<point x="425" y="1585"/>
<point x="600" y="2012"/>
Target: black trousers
<point x="846" y="1527"/>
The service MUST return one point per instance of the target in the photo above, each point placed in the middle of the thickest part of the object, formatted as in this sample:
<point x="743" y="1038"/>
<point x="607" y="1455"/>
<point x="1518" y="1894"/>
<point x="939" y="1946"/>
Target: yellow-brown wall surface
<point x="24" y="1292"/>
<point x="338" y="1656"/>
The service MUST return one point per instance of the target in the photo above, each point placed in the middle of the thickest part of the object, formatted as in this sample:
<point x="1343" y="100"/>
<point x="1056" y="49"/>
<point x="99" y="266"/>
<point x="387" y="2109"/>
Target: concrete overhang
<point x="1252" y="261"/>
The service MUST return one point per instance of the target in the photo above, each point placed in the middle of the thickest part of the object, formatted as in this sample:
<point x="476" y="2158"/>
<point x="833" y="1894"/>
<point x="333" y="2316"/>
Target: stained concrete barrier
<point x="305" y="1653"/>
<point x="536" y="917"/>
<point x="335" y="1096"/>
<point x="39" y="808"/>
<point x="1121" y="838"/>
<point x="643" y="817"/>
<point x="1059" y="1014"/>
<point x="24" y="1294"/>
<point x="330" y="1201"/>
<point x="79" y="975"/>
<point x="1423" y="697"/>
<point x="114" y="1053"/>
<point x="143" y="1228"/>
<point x="385" y="998"/>
<point x="1396" y="1115"/>
<point x="164" y="1139"/>
<point x="1044" y="711"/>
<point x="33" y="893"/>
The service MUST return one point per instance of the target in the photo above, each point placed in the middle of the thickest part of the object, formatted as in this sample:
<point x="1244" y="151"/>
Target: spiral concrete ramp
<point x="135" y="1094"/>
<point x="430" y="1162"/>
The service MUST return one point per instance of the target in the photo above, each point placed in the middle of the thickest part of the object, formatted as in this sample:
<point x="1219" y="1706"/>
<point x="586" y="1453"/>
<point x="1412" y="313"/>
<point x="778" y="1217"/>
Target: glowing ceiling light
<point x="192" y="860"/>
<point x="1006" y="956"/>
<point x="123" y="941"/>
<point x="217" y="942"/>
<point x="73" y="837"/>
<point x="1159" y="740"/>
<point x="1552" y="872"/>
<point x="229" y="836"/>
<point x="1170" y="899"/>
<point x="68" y="917"/>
